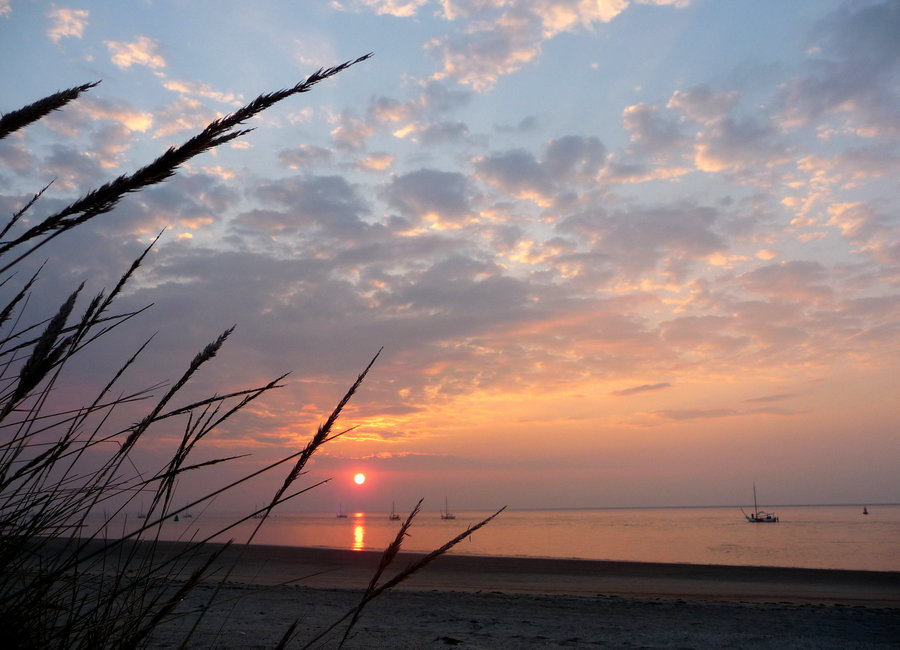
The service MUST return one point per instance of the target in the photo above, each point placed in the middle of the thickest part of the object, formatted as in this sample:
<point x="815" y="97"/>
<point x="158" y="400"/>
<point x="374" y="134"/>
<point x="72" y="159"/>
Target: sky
<point x="616" y="252"/>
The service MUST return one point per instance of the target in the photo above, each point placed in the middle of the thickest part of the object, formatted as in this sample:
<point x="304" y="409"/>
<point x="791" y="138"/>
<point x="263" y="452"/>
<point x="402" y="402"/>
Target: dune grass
<point x="63" y="583"/>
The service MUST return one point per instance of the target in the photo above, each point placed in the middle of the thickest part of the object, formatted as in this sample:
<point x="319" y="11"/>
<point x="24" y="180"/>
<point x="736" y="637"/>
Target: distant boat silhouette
<point x="758" y="516"/>
<point x="445" y="513"/>
<point x="340" y="513"/>
<point x="393" y="516"/>
<point x="865" y="510"/>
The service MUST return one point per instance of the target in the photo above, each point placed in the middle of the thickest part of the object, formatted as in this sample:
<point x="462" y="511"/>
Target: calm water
<point x="833" y="537"/>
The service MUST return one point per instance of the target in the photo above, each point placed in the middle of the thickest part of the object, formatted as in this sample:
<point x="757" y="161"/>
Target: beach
<point x="495" y="602"/>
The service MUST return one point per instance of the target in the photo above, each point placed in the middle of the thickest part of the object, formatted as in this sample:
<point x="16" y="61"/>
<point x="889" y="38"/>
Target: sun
<point x="359" y="479"/>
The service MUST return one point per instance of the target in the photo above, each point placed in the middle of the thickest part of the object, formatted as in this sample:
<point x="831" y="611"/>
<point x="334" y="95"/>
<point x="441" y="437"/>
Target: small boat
<point x="393" y="516"/>
<point x="758" y="516"/>
<point x="340" y="513"/>
<point x="865" y="510"/>
<point x="445" y="513"/>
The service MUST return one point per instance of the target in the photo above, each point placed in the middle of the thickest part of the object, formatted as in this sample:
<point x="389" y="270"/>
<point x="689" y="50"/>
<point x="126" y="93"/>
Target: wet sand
<point x="492" y="602"/>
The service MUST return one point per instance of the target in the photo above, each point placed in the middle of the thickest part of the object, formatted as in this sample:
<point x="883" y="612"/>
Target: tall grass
<point x="65" y="583"/>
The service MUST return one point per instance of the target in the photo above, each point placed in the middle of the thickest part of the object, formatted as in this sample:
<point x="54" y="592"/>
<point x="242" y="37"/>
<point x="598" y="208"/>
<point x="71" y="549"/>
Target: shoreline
<point x="508" y="603"/>
<point x="348" y="569"/>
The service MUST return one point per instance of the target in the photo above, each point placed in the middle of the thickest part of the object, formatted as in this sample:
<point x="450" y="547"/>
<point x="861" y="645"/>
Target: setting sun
<point x="359" y="479"/>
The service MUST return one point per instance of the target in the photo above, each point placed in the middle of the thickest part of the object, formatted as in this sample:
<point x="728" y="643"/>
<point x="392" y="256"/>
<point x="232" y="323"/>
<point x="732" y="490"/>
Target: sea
<point x="825" y="537"/>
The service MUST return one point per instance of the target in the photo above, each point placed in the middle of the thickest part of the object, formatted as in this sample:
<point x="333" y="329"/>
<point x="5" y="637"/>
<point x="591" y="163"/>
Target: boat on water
<point x="393" y="516"/>
<point x="865" y="510"/>
<point x="340" y="513"/>
<point x="759" y="516"/>
<point x="445" y="513"/>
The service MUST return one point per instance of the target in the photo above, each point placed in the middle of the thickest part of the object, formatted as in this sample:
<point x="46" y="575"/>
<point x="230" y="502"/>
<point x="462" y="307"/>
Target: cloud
<point x="518" y="173"/>
<point x="328" y="204"/>
<point x="5" y="8"/>
<point x="143" y="51"/>
<point x="304" y="155"/>
<point x="487" y="51"/>
<point x="796" y="280"/>
<point x="696" y="414"/>
<point x="440" y="198"/>
<point x="869" y="228"/>
<point x="444" y="133"/>
<point x="726" y="142"/>
<point x="574" y="158"/>
<point x="65" y="22"/>
<point x="636" y="239"/>
<point x="187" y="203"/>
<point x="90" y="109"/>
<point x="644" y="388"/>
<point x="376" y="162"/>
<point x="853" y="76"/>
<point x="780" y="397"/>
<point x="184" y="114"/>
<point x="397" y="8"/>
<point x="702" y="104"/>
<point x="500" y="38"/>
<point x="554" y="15"/>
<point x="351" y="132"/>
<point x="650" y="131"/>
<point x="15" y="156"/>
<point x="196" y="89"/>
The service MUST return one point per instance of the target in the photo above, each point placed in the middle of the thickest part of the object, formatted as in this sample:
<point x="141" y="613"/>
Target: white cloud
<point x="65" y="22"/>
<point x="182" y="114"/>
<point x="197" y="89"/>
<point x="143" y="51"/>
<point x="500" y="38"/>
<point x="398" y="8"/>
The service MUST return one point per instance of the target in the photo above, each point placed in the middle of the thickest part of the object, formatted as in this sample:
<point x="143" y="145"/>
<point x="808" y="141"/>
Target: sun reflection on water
<point x="359" y="537"/>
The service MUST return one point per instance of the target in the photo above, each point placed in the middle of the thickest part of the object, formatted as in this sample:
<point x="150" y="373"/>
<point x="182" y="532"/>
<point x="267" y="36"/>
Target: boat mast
<point x="755" y="507"/>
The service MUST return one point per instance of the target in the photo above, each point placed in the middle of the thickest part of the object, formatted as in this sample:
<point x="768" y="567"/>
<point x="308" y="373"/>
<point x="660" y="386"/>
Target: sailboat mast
<point x="755" y="507"/>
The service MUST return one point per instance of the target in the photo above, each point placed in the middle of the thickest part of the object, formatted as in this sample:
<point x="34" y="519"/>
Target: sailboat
<point x="393" y="516"/>
<point x="340" y="513"/>
<point x="445" y="513"/>
<point x="865" y="510"/>
<point x="758" y="516"/>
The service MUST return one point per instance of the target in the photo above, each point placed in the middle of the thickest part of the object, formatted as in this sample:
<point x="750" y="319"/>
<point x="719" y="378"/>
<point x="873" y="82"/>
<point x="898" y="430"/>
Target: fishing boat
<point x="445" y="513"/>
<point x="759" y="516"/>
<point x="340" y="513"/>
<point x="393" y="516"/>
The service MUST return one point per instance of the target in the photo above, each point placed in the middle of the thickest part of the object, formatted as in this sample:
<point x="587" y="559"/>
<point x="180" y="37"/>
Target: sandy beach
<point x="490" y="602"/>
